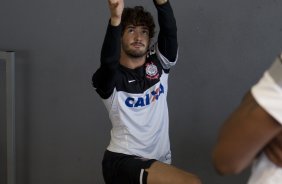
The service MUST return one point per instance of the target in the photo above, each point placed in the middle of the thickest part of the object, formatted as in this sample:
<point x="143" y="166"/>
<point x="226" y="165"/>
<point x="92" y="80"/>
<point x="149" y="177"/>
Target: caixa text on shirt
<point x="145" y="100"/>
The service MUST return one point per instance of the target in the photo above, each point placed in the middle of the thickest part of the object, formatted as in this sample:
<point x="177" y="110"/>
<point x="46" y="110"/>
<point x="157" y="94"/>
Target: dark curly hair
<point x="138" y="16"/>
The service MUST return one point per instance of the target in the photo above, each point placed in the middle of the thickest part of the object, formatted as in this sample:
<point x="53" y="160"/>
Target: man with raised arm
<point x="132" y="80"/>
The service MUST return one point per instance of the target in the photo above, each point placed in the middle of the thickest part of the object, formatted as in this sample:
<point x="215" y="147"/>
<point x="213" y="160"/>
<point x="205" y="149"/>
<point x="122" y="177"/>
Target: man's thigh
<point x="125" y="169"/>
<point x="161" y="173"/>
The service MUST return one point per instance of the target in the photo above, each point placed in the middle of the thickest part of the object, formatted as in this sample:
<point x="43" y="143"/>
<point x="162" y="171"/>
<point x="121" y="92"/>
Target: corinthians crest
<point x="152" y="71"/>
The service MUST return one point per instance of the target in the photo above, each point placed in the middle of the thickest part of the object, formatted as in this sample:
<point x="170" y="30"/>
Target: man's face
<point x="135" y="41"/>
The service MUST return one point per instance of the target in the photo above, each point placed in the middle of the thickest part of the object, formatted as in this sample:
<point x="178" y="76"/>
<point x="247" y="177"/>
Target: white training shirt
<point x="140" y="119"/>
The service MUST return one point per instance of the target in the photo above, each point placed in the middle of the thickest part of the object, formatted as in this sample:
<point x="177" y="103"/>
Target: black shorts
<point x="120" y="168"/>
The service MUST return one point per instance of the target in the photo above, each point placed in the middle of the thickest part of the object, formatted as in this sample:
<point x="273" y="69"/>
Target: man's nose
<point x="137" y="35"/>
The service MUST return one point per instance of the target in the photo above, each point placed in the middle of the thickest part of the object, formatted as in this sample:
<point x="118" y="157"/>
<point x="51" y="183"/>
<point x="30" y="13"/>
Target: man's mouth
<point x="137" y="44"/>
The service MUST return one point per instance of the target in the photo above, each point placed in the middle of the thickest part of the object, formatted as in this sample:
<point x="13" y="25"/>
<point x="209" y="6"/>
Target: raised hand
<point x="116" y="9"/>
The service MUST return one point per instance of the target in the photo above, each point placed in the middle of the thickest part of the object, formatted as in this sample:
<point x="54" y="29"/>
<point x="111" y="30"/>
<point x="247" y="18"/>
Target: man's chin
<point x="136" y="54"/>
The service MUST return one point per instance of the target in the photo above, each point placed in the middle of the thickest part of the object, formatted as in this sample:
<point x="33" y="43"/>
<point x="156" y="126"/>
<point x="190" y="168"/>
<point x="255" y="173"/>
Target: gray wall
<point x="62" y="125"/>
<point x="3" y="140"/>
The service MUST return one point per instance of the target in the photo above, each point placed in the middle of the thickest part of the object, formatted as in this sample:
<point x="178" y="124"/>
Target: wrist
<point x="160" y="2"/>
<point x="115" y="21"/>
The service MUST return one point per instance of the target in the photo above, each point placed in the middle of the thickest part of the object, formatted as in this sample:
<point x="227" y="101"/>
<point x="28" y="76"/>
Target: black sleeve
<point x="104" y="78"/>
<point x="167" y="38"/>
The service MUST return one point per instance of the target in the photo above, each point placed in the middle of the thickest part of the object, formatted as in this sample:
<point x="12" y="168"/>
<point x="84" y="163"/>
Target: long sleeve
<point x="103" y="78"/>
<point x="167" y="38"/>
<point x="110" y="52"/>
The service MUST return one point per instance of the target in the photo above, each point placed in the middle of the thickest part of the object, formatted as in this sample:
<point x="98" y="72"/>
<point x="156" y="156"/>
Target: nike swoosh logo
<point x="130" y="81"/>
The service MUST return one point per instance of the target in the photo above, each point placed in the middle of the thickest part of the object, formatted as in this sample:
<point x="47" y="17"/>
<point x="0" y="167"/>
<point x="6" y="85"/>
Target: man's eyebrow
<point x="145" y="27"/>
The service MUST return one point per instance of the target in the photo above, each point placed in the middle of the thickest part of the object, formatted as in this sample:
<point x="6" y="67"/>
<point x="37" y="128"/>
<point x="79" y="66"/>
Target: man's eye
<point x="130" y="30"/>
<point x="145" y="32"/>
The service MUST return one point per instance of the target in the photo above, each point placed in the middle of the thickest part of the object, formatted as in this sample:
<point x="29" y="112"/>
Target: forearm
<point x="167" y="38"/>
<point x="166" y="17"/>
<point x="243" y="135"/>
<point x="232" y="155"/>
<point x="111" y="46"/>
